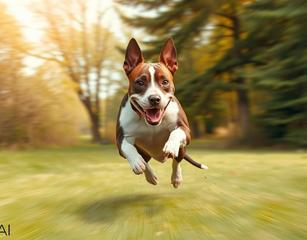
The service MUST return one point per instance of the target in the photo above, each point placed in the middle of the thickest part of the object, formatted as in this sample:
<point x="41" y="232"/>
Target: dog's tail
<point x="196" y="164"/>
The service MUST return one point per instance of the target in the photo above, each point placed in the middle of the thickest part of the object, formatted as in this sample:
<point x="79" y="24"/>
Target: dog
<point x="151" y="122"/>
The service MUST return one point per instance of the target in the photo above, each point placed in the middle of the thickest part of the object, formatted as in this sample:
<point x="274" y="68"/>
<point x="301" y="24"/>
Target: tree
<point x="199" y="23"/>
<point x="281" y="30"/>
<point x="77" y="40"/>
<point x="31" y="112"/>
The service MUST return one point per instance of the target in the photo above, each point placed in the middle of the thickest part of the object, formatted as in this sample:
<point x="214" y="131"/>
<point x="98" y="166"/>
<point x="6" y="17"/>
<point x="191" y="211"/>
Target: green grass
<point x="89" y="192"/>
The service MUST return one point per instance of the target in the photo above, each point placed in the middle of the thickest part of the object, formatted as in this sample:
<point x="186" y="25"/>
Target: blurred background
<point x="242" y="80"/>
<point x="242" y="68"/>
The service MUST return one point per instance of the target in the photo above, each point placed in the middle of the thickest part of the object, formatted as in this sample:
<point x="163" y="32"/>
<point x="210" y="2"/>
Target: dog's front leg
<point x="135" y="160"/>
<point x="177" y="139"/>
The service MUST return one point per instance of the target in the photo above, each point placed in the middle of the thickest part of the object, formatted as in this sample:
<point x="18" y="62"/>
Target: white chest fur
<point x="149" y="138"/>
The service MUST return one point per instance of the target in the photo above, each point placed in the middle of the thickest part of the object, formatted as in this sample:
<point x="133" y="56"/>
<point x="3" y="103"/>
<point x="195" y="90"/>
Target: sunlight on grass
<point x="89" y="192"/>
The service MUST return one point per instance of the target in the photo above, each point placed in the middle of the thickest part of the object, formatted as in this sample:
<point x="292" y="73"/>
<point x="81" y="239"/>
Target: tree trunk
<point x="94" y="118"/>
<point x="243" y="113"/>
<point x="241" y="91"/>
<point x="95" y="125"/>
<point x="195" y="129"/>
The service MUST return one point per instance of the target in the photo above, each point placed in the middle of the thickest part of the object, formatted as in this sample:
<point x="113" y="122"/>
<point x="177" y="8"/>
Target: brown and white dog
<point x="151" y="123"/>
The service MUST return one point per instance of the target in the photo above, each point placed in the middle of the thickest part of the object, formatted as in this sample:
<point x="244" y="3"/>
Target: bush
<point x="31" y="113"/>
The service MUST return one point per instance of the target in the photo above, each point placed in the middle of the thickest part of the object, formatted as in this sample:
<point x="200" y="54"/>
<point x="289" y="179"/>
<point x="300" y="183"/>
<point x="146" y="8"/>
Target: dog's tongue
<point x="153" y="116"/>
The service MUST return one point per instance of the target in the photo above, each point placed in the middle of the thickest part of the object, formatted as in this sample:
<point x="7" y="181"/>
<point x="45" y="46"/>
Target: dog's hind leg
<point x="150" y="175"/>
<point x="176" y="178"/>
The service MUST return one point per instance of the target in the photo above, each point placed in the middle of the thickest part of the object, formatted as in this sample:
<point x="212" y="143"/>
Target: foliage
<point x="283" y="74"/>
<point x="76" y="39"/>
<point x="249" y="48"/>
<point x="200" y="24"/>
<point x="31" y="111"/>
<point x="33" y="114"/>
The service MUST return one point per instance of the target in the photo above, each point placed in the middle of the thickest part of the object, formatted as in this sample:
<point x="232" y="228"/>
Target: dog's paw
<point x="176" y="180"/>
<point x="151" y="177"/>
<point x="138" y="166"/>
<point x="171" y="148"/>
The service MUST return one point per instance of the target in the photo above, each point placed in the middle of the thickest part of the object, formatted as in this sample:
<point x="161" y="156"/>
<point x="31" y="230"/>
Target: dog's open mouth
<point x="153" y="116"/>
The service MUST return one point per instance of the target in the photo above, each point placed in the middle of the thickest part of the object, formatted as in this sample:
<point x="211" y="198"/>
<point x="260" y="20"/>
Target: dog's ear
<point x="133" y="56"/>
<point x="168" y="56"/>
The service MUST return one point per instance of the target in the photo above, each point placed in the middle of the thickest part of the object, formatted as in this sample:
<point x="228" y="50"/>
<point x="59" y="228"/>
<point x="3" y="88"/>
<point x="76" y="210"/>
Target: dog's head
<point x="151" y="85"/>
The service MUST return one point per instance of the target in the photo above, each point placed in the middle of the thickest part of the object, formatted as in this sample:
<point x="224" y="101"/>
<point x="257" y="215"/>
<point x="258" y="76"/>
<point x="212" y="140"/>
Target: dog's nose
<point x="154" y="100"/>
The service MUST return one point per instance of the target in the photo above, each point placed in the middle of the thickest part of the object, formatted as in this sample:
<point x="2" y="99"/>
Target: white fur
<point x="176" y="178"/>
<point x="153" y="89"/>
<point x="135" y="160"/>
<point x="176" y="139"/>
<point x="150" y="138"/>
<point x="150" y="175"/>
<point x="152" y="71"/>
<point x="202" y="166"/>
<point x="160" y="141"/>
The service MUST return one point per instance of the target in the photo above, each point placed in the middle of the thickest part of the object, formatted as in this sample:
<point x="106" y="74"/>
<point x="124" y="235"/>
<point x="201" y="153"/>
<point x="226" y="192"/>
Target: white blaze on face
<point x="152" y="115"/>
<point x="154" y="89"/>
<point x="152" y="75"/>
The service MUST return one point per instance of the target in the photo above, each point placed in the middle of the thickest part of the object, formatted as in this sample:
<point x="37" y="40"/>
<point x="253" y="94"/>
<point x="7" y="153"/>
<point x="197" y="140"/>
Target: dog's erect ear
<point x="133" y="56"/>
<point x="168" y="56"/>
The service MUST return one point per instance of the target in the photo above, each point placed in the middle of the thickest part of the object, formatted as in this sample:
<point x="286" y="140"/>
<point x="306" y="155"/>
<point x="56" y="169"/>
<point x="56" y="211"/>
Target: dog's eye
<point x="165" y="82"/>
<point x="140" y="82"/>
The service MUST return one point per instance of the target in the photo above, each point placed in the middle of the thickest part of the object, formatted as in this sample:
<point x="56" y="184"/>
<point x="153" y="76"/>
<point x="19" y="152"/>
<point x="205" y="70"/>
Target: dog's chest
<point x="149" y="138"/>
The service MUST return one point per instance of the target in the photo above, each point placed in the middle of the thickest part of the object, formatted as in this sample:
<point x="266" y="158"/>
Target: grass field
<point x="89" y="192"/>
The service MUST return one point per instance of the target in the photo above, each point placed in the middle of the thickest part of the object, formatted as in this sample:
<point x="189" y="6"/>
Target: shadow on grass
<point x="111" y="208"/>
